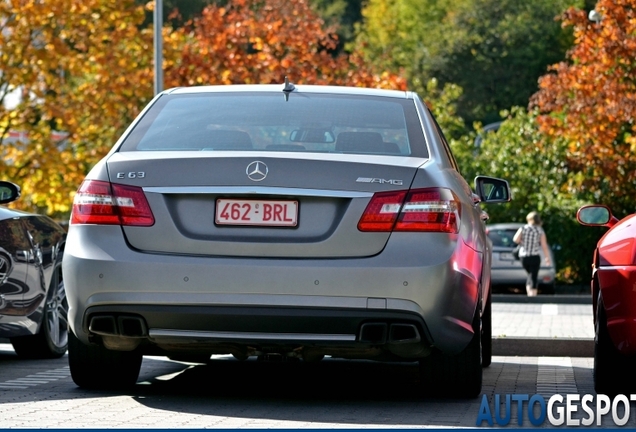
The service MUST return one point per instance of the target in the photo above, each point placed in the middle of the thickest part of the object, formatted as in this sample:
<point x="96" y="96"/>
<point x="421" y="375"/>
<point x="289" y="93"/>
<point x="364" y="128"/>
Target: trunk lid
<point x="322" y="196"/>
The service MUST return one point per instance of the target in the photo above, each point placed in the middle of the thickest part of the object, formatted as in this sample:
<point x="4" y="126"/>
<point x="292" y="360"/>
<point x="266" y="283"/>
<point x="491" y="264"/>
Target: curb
<point x="542" y="347"/>
<point x="541" y="299"/>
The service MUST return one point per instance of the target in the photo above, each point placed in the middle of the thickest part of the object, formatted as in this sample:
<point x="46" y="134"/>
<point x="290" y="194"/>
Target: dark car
<point x="614" y="300"/>
<point x="33" y="306"/>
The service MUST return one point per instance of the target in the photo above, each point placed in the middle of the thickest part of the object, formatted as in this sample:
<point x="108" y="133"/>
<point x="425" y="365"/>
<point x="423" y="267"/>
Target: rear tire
<point x="52" y="339"/>
<point x="93" y="366"/>
<point x="611" y="370"/>
<point x="456" y="375"/>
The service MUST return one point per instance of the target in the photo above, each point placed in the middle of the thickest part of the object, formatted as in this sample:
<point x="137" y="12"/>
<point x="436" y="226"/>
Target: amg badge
<point x="379" y="181"/>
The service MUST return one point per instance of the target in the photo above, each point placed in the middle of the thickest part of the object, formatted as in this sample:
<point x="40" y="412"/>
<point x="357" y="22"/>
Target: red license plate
<point x="256" y="212"/>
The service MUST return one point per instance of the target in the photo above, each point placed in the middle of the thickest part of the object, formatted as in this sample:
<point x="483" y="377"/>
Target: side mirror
<point x="8" y="192"/>
<point x="492" y="190"/>
<point x="596" y="215"/>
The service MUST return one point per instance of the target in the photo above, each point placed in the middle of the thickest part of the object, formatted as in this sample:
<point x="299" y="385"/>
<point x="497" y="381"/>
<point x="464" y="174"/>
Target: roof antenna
<point x="289" y="87"/>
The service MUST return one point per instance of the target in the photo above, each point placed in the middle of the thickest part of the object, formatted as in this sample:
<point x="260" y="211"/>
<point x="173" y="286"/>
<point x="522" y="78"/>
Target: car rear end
<point x="249" y="220"/>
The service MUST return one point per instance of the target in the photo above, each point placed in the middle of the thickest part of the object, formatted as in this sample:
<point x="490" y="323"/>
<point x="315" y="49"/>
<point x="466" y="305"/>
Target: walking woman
<point x="532" y="239"/>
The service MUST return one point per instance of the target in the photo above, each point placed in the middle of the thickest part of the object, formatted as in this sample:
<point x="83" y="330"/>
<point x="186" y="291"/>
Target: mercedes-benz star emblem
<point x="256" y="171"/>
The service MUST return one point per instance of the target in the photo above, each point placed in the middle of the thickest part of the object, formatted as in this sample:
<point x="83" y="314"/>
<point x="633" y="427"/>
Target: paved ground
<point x="546" y="320"/>
<point x="332" y="394"/>
<point x="231" y="394"/>
<point x="543" y="326"/>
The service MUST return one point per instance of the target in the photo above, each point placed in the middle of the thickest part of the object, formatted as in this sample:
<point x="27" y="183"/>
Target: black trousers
<point x="532" y="264"/>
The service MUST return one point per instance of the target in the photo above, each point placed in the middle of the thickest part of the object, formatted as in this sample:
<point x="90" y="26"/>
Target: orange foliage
<point x="261" y="42"/>
<point x="591" y="99"/>
<point x="85" y="67"/>
<point x="81" y="67"/>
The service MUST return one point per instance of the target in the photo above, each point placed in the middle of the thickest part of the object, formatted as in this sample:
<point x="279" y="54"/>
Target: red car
<point x="614" y="299"/>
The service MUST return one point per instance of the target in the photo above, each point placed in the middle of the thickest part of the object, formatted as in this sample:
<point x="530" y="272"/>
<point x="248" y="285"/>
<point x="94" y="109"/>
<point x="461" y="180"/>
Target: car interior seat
<point x="360" y="142"/>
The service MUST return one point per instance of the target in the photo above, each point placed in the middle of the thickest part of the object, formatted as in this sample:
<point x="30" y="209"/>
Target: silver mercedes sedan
<point x="281" y="220"/>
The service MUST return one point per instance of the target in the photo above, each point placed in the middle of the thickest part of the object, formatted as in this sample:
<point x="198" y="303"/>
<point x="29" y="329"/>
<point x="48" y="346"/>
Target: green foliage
<point x="343" y="14"/>
<point x="494" y="49"/>
<point x="443" y="104"/>
<point x="534" y="165"/>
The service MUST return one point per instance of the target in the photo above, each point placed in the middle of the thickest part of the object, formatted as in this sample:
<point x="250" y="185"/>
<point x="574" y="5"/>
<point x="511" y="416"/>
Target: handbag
<point x="515" y="252"/>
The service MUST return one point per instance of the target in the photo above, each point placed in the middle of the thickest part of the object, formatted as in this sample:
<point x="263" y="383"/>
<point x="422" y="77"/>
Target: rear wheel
<point x="455" y="375"/>
<point x="52" y="339"/>
<point x="93" y="366"/>
<point x="610" y="367"/>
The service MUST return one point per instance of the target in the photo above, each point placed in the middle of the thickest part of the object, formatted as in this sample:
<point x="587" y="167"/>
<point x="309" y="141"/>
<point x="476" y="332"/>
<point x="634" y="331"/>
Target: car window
<point x="269" y="122"/>
<point x="502" y="237"/>
<point x="447" y="149"/>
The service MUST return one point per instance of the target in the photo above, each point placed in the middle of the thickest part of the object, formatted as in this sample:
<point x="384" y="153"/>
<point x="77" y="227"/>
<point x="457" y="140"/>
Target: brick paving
<point x="542" y="320"/>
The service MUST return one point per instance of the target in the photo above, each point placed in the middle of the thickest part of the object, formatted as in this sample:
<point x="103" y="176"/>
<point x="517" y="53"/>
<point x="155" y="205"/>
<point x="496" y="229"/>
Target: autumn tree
<point x="345" y="14"/>
<point x="84" y="67"/>
<point x="590" y="101"/>
<point x="261" y="42"/>
<point x="81" y="67"/>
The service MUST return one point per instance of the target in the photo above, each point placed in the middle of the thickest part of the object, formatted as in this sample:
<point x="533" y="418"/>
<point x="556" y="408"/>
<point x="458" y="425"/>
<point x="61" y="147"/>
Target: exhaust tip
<point x="123" y="325"/>
<point x="132" y="326"/>
<point x="404" y="333"/>
<point x="374" y="333"/>
<point x="103" y="325"/>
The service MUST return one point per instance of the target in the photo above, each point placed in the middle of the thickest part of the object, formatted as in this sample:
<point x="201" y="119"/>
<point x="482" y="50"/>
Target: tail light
<point x="424" y="210"/>
<point x="103" y="203"/>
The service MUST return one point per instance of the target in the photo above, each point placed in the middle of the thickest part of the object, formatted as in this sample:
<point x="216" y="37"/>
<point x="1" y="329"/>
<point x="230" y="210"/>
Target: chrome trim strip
<point x="163" y="333"/>
<point x="247" y="300"/>
<point x="259" y="190"/>
<point x="250" y="155"/>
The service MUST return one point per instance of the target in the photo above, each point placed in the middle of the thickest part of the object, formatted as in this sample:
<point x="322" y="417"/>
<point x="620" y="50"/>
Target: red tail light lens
<point x="103" y="203"/>
<point x="382" y="211"/>
<point x="423" y="210"/>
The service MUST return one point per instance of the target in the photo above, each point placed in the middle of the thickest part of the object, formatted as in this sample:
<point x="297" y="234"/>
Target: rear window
<point x="502" y="237"/>
<point x="269" y="122"/>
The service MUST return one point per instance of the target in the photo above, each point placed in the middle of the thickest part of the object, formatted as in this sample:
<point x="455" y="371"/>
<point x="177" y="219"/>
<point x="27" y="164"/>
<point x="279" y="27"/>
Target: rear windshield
<point x="502" y="237"/>
<point x="269" y="122"/>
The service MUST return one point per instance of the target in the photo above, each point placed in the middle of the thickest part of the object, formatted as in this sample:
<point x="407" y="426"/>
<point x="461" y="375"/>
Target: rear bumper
<point x="212" y="301"/>
<point x="251" y="330"/>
